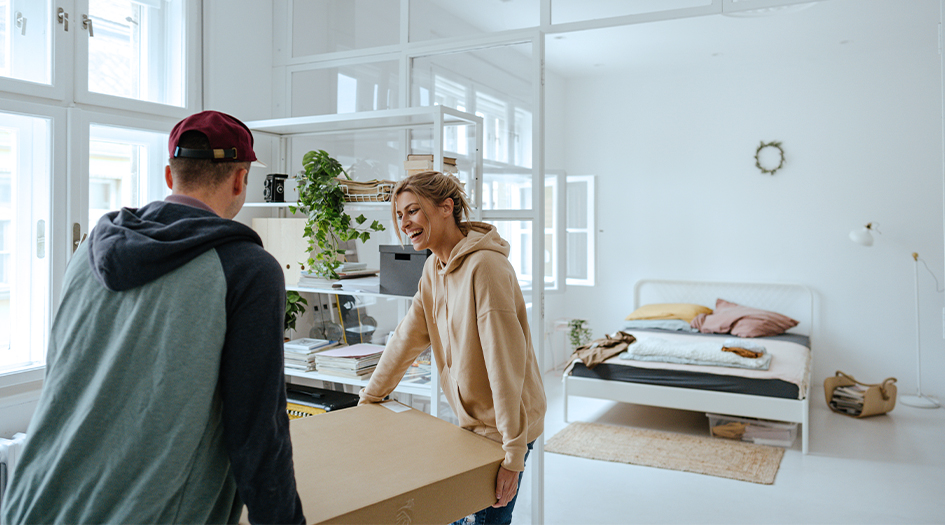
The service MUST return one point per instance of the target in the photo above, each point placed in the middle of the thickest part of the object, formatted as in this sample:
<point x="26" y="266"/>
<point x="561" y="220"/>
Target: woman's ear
<point x="447" y="207"/>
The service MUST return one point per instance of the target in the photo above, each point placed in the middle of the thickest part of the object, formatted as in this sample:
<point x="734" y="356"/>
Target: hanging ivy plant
<point x="327" y="226"/>
<point x="294" y="308"/>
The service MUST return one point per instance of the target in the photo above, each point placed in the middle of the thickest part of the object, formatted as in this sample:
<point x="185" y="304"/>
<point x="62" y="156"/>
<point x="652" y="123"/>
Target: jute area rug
<point x="702" y="455"/>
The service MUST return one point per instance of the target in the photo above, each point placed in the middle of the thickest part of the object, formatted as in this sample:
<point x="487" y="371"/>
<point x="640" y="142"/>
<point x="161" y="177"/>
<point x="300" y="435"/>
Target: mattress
<point x="787" y="377"/>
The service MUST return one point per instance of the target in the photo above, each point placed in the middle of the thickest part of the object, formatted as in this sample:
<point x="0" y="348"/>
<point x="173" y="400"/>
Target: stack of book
<point x="420" y="163"/>
<point x="355" y="361"/>
<point x="848" y="399"/>
<point x="300" y="353"/>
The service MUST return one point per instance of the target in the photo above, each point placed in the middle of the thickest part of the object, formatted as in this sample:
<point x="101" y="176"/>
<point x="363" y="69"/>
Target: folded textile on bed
<point x="699" y="353"/>
<point x="600" y="350"/>
<point x="744" y="348"/>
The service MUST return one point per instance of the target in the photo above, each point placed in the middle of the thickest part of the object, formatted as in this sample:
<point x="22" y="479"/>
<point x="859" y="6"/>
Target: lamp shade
<point x="863" y="236"/>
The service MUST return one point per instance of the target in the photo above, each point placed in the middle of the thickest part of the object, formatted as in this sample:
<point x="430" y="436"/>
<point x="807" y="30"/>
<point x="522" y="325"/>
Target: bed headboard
<point x="793" y="300"/>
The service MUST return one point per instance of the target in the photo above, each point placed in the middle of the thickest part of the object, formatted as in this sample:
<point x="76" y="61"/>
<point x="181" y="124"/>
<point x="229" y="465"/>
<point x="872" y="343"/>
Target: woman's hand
<point x="506" y="486"/>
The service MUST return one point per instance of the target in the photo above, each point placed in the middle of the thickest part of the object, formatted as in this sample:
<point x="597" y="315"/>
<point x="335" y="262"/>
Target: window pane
<point x="25" y="40"/>
<point x="577" y="255"/>
<point x="354" y="24"/>
<point x="136" y="49"/>
<point x="359" y="87"/>
<point x="563" y="11"/>
<point x="126" y="169"/>
<point x="24" y="220"/>
<point x="577" y="204"/>
<point x="501" y="97"/>
<point x="432" y="19"/>
<point x="519" y="236"/>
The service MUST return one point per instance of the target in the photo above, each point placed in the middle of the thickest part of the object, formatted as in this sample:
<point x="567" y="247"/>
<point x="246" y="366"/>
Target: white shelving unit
<point x="434" y="118"/>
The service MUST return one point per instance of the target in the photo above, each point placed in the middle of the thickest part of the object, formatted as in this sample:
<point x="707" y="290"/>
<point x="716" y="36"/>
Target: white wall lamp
<point x="863" y="237"/>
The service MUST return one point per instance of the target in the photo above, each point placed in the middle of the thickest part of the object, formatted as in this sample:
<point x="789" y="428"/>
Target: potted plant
<point x="580" y="334"/>
<point x="327" y="225"/>
<point x="294" y="308"/>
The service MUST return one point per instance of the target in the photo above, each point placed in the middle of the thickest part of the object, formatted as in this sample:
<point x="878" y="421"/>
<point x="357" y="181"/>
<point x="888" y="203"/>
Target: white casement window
<point x="127" y="70"/>
<point x="581" y="230"/>
<point x="136" y="49"/>
<point x="570" y="231"/>
<point x="25" y="155"/>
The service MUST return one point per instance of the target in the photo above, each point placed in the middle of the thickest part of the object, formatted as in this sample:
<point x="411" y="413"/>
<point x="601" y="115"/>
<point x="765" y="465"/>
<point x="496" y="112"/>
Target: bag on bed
<point x="847" y="396"/>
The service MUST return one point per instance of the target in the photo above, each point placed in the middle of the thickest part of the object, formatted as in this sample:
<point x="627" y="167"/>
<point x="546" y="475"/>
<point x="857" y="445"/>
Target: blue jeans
<point x="501" y="515"/>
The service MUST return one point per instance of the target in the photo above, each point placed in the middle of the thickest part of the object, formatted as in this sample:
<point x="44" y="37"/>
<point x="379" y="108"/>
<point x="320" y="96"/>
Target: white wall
<point x="680" y="197"/>
<point x="238" y="57"/>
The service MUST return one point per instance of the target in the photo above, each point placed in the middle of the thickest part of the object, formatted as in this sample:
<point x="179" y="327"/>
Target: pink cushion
<point x="743" y="321"/>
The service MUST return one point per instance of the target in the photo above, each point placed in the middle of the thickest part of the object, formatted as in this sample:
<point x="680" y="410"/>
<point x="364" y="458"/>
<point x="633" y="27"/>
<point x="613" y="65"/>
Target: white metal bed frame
<point x="792" y="300"/>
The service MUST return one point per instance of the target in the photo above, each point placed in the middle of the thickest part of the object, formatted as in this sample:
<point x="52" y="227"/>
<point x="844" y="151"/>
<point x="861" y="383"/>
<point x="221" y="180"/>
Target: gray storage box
<point x="401" y="267"/>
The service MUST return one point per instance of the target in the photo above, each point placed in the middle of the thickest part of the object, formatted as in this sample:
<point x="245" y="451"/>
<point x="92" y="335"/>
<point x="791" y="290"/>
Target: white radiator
<point x="9" y="452"/>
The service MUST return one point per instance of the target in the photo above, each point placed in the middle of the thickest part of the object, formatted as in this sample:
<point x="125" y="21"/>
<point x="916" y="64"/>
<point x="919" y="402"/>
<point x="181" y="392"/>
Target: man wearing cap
<point x="164" y="399"/>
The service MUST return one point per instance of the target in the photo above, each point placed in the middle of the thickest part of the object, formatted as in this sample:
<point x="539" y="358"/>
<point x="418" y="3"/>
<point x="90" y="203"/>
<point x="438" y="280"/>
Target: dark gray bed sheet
<point x="698" y="380"/>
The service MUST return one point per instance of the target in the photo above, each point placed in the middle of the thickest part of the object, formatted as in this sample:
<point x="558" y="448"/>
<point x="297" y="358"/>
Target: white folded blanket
<point x="701" y="353"/>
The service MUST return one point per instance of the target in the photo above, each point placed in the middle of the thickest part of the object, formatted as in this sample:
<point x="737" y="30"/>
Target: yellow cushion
<point x="683" y="311"/>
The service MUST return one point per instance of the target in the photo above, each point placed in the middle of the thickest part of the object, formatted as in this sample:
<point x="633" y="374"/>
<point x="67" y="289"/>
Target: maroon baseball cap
<point x="230" y="139"/>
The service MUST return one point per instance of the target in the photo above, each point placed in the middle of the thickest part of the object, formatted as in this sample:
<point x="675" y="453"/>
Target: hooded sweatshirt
<point x="164" y="397"/>
<point x="471" y="311"/>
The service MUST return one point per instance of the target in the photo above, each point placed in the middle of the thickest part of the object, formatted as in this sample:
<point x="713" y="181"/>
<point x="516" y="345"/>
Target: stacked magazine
<point x="355" y="361"/>
<point x="848" y="399"/>
<point x="300" y="353"/>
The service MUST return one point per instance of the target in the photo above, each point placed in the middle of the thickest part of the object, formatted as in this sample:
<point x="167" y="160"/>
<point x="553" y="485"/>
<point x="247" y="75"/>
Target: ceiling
<point x="832" y="26"/>
<point x="810" y="30"/>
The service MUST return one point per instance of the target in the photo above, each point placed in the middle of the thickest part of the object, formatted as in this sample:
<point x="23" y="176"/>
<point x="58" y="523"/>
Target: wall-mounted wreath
<point x="766" y="165"/>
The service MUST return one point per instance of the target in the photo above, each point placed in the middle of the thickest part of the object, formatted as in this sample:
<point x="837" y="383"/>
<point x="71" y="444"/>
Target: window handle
<point x="21" y="23"/>
<point x="87" y="24"/>
<point x="77" y="236"/>
<point x="63" y="17"/>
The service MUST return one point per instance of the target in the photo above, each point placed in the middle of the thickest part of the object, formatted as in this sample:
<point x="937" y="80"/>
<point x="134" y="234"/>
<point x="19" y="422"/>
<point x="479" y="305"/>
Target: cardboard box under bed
<point x="372" y="464"/>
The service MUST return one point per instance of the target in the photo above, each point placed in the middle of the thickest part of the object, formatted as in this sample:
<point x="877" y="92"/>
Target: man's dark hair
<point x="200" y="173"/>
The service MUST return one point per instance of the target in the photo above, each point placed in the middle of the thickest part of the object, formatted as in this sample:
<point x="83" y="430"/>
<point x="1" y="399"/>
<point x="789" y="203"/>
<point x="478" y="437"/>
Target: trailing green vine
<point x="327" y="225"/>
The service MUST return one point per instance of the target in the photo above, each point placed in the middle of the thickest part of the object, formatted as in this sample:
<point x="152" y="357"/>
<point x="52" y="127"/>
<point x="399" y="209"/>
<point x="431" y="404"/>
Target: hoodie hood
<point x="479" y="236"/>
<point x="131" y="247"/>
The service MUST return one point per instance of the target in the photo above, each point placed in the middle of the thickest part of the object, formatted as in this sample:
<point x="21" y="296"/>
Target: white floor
<point x="884" y="469"/>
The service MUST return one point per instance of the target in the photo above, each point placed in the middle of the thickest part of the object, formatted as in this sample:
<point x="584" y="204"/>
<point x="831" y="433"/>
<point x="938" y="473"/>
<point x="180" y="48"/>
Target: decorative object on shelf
<point x="274" y="187"/>
<point x="918" y="400"/>
<point x="294" y="308"/>
<point x="370" y="191"/>
<point x="579" y="333"/>
<point x="327" y="226"/>
<point x="767" y="165"/>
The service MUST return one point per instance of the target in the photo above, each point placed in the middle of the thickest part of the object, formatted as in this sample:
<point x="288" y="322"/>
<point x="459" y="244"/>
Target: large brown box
<point x="371" y="464"/>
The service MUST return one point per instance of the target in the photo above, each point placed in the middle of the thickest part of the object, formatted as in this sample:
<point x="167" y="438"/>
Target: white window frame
<point x="55" y="236"/>
<point x="80" y="134"/>
<point x="60" y="87"/>
<point x="191" y="96"/>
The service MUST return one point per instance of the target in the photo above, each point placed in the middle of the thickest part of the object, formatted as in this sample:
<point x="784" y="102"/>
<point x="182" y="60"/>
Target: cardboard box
<point x="401" y="268"/>
<point x="388" y="463"/>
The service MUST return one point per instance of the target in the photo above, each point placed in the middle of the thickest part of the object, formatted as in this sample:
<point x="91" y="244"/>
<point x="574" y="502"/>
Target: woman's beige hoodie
<point x="470" y="310"/>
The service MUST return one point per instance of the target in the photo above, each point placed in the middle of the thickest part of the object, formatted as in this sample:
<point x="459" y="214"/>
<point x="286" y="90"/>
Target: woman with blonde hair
<point x="469" y="308"/>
